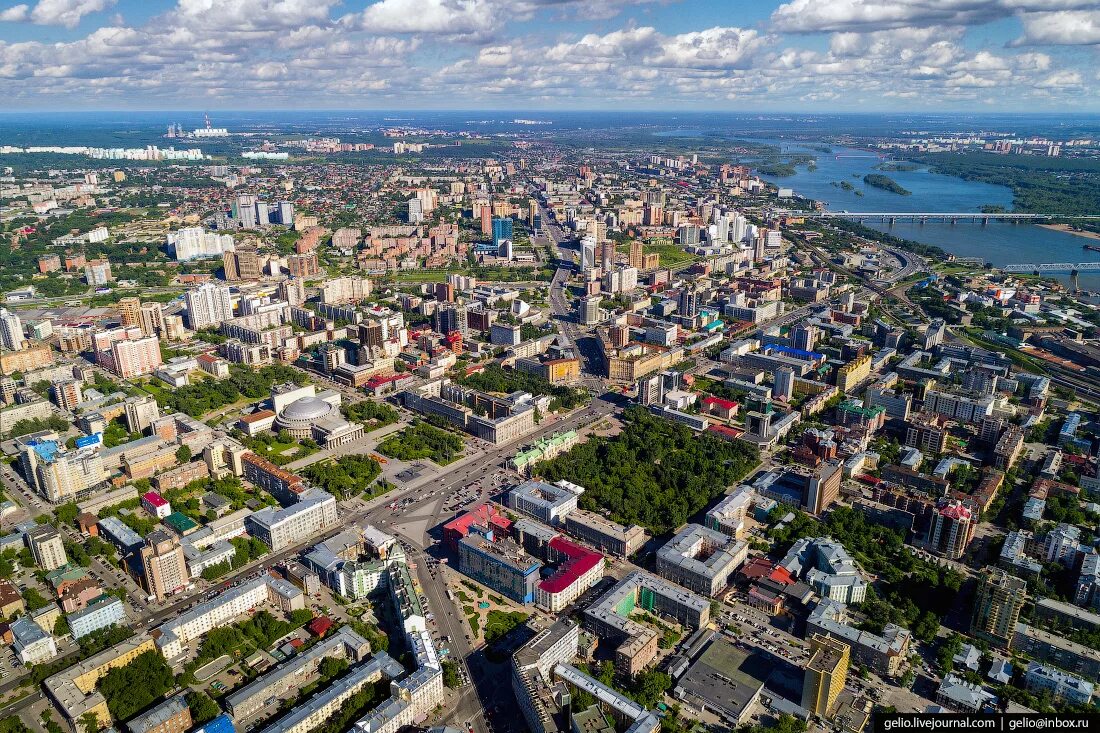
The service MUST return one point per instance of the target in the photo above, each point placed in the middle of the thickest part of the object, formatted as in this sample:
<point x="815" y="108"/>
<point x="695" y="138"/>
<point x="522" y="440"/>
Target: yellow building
<point x="74" y="689"/>
<point x="852" y="373"/>
<point x="826" y="673"/>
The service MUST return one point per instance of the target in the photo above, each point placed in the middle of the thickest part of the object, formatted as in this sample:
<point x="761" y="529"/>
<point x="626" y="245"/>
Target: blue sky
<point x="798" y="55"/>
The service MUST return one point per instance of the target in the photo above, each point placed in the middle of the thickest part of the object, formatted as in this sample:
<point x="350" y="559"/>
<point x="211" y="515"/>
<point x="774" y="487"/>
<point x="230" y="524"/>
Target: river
<point x="999" y="243"/>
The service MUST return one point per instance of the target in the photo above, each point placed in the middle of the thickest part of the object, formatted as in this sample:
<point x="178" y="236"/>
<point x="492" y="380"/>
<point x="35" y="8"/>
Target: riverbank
<point x="1068" y="229"/>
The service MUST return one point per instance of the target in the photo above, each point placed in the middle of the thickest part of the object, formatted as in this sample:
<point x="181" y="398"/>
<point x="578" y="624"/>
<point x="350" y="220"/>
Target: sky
<point x="708" y="55"/>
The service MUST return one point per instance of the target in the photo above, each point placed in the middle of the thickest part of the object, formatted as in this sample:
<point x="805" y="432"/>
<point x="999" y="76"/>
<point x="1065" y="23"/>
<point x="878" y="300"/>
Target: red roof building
<point x="725" y="409"/>
<point x="580" y="569"/>
<point x="320" y="625"/>
<point x="486" y="515"/>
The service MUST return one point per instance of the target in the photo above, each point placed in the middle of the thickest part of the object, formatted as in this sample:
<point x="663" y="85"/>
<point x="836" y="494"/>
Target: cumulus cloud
<point x="292" y="52"/>
<point x="429" y="16"/>
<point x="1061" y="28"/>
<point x="55" y="12"/>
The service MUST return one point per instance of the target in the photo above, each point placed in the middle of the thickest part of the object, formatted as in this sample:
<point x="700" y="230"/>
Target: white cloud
<point x="1061" y="28"/>
<point x="714" y="48"/>
<point x="55" y="12"/>
<point x="15" y="14"/>
<point x="448" y="17"/>
<point x="813" y="16"/>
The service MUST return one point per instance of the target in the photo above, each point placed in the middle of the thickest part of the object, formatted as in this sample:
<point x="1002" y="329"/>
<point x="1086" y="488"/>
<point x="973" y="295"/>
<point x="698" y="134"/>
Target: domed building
<point x="305" y="413"/>
<point x="299" y="417"/>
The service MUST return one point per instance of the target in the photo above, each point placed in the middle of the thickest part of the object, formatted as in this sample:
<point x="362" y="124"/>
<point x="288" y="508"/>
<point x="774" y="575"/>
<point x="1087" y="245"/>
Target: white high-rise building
<point x="588" y="252"/>
<point x="208" y="305"/>
<point x="192" y="243"/>
<point x="11" y="331"/>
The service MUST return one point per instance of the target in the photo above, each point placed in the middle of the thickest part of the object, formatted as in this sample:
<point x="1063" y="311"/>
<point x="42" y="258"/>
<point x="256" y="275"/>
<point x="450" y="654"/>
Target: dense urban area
<point x="411" y="429"/>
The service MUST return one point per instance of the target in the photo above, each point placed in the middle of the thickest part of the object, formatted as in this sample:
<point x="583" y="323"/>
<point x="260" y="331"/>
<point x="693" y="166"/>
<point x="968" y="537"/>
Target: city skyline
<point x="860" y="55"/>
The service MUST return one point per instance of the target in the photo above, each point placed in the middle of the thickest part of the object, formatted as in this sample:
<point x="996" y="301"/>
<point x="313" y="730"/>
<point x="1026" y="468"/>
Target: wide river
<point x="999" y="243"/>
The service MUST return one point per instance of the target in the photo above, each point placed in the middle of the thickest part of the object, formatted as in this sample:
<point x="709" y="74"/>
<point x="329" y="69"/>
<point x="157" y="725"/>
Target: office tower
<point x="635" y="258"/>
<point x="952" y="529"/>
<point x="370" y="334"/>
<point x="47" y="547"/>
<point x="997" y="604"/>
<point x="11" y="331"/>
<point x="416" y="210"/>
<point x="208" y="305"/>
<point x="588" y="252"/>
<point x="244" y="211"/>
<point x="804" y="337"/>
<point x="687" y="303"/>
<point x="286" y="213"/>
<point x="129" y="310"/>
<point x="67" y="394"/>
<point x="502" y="229"/>
<point x="163" y="564"/>
<point x="651" y="390"/>
<point x="783" y="389"/>
<point x="134" y="358"/>
<point x="242" y="264"/>
<point x="588" y="310"/>
<point x="451" y="318"/>
<point x="825" y="675"/>
<point x="292" y="291"/>
<point x="151" y="319"/>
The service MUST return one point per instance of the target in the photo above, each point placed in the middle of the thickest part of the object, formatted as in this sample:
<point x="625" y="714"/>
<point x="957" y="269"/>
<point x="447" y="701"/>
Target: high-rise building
<point x="416" y="210"/>
<point x="293" y="291"/>
<point x="151" y="319"/>
<point x="97" y="272"/>
<point x="286" y="213"/>
<point x="588" y="252"/>
<point x="451" y="318"/>
<point x="303" y="265"/>
<point x="953" y="529"/>
<point x="47" y="547"/>
<point x="687" y="303"/>
<point x="129" y="310"/>
<point x="67" y="394"/>
<point x="804" y="337"/>
<point x="502" y="229"/>
<point x="588" y="310"/>
<point x="243" y="263"/>
<point x="997" y="604"/>
<point x="244" y="211"/>
<point x="134" y="358"/>
<point x="208" y="305"/>
<point x="195" y="242"/>
<point x="263" y="214"/>
<point x="163" y="564"/>
<point x="607" y="255"/>
<point x="483" y="210"/>
<point x="635" y="259"/>
<point x="11" y="331"/>
<point x="784" y="383"/>
<point x="140" y="413"/>
<point x="825" y="675"/>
